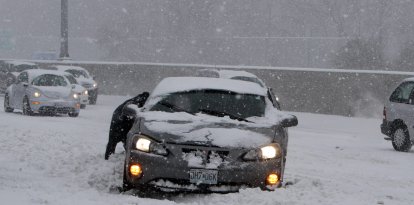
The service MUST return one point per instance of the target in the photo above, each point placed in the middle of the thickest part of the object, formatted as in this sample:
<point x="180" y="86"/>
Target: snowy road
<point x="331" y="160"/>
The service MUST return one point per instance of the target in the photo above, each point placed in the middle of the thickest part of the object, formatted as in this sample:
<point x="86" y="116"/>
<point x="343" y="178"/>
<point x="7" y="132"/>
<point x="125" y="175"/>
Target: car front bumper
<point x="171" y="173"/>
<point x="54" y="106"/>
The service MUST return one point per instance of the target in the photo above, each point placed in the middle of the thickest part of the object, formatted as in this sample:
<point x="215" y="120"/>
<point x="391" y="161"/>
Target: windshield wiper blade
<point x="175" y="107"/>
<point x="222" y="114"/>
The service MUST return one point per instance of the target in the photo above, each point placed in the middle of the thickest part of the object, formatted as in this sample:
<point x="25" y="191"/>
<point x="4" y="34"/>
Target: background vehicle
<point x="78" y="89"/>
<point x="42" y="91"/>
<point x="84" y="78"/>
<point x="398" y="121"/>
<point x="9" y="71"/>
<point x="207" y="134"/>
<point x="243" y="76"/>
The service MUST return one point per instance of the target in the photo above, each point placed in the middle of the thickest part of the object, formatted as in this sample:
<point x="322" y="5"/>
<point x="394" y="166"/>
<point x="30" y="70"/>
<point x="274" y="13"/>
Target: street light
<point x="64" y="31"/>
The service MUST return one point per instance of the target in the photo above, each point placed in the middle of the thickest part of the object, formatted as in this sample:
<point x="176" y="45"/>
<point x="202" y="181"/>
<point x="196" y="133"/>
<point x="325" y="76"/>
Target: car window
<point x="240" y="105"/>
<point x="78" y="73"/>
<point x="402" y="93"/>
<point x="71" y="79"/>
<point x="50" y="80"/>
<point x="23" y="78"/>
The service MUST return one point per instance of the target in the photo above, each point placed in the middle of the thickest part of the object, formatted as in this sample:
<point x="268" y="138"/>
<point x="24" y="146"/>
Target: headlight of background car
<point x="146" y="145"/>
<point x="95" y="85"/>
<point x="85" y="92"/>
<point x="271" y="151"/>
<point x="75" y="96"/>
<point x="36" y="94"/>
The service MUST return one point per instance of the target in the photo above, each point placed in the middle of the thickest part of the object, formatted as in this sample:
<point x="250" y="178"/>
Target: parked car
<point x="84" y="78"/>
<point x="78" y="89"/>
<point x="398" y="116"/>
<point x="206" y="135"/>
<point x="9" y="70"/>
<point x="42" y="91"/>
<point x="243" y="76"/>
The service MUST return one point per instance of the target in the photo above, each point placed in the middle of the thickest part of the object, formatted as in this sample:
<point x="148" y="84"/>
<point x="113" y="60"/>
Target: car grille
<point x="50" y="109"/>
<point x="206" y="154"/>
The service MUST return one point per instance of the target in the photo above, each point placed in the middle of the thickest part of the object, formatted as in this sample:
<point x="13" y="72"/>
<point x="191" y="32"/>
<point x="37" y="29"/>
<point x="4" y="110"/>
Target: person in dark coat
<point x="122" y="121"/>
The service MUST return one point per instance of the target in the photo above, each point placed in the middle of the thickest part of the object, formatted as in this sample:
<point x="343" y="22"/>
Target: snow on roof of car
<point x="17" y="63"/>
<point x="409" y="79"/>
<point x="182" y="84"/>
<point x="234" y="73"/>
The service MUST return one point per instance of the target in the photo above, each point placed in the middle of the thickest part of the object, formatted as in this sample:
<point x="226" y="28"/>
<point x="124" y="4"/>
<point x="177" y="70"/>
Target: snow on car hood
<point x="54" y="91"/>
<point x="85" y="81"/>
<point x="78" y="88"/>
<point x="201" y="129"/>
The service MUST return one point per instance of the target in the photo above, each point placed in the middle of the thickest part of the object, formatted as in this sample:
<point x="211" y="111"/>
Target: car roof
<point x="230" y="74"/>
<point x="408" y="79"/>
<point x="183" y="84"/>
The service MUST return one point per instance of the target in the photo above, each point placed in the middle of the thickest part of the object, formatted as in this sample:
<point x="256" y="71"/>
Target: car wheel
<point x="7" y="107"/>
<point x="401" y="139"/>
<point x="26" y="107"/>
<point x="82" y="106"/>
<point x="73" y="114"/>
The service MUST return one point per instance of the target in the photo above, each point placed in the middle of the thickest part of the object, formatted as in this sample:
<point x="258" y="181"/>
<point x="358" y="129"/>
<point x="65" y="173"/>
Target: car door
<point x="19" y="89"/>
<point x="401" y="104"/>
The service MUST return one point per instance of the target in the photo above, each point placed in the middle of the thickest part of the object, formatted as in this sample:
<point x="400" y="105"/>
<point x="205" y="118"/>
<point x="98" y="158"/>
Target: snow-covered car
<point x="84" y="78"/>
<point x="243" y="76"/>
<point x="42" y="91"/>
<point x="398" y="116"/>
<point x="78" y="89"/>
<point x="9" y="70"/>
<point x="206" y="135"/>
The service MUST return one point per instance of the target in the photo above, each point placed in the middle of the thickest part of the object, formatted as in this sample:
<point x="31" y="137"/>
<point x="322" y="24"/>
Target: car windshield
<point x="248" y="79"/>
<point x="50" y="80"/>
<point x="214" y="102"/>
<point x="78" y="73"/>
<point x="71" y="79"/>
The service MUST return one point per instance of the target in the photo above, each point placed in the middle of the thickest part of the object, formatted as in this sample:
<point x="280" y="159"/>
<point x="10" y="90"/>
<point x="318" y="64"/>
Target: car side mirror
<point x="290" y="121"/>
<point x="129" y="111"/>
<point x="25" y="84"/>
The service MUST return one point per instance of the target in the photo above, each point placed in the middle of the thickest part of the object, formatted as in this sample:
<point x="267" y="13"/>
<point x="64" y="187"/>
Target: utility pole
<point x="64" y="31"/>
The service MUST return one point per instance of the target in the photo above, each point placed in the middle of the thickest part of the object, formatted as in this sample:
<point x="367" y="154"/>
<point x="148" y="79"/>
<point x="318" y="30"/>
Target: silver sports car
<point x="206" y="135"/>
<point x="42" y="91"/>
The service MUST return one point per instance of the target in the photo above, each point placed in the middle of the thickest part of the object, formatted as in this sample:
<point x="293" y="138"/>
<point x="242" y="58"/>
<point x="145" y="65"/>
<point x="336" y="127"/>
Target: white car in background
<point x="243" y="76"/>
<point x="84" y="78"/>
<point x="10" y="69"/>
<point x="42" y="91"/>
<point x="78" y="89"/>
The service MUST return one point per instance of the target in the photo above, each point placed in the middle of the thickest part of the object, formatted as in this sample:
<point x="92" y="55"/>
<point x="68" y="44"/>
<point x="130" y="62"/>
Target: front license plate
<point x="203" y="176"/>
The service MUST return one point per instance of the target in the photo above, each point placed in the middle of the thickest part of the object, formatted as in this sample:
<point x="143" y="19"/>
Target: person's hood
<point x="55" y="91"/>
<point x="201" y="129"/>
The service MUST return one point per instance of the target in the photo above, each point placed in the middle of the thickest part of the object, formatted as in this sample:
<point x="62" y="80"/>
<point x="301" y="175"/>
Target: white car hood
<point x="55" y="92"/>
<point x="78" y="88"/>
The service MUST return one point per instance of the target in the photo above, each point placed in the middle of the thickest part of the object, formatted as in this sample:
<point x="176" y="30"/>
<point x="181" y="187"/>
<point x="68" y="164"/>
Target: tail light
<point x="384" y="113"/>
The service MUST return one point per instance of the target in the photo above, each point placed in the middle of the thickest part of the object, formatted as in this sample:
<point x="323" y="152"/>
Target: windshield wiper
<point x="175" y="107"/>
<point x="222" y="114"/>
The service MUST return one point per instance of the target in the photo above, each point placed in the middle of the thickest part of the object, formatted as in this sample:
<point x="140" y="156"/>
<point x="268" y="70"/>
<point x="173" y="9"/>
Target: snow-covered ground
<point x="331" y="160"/>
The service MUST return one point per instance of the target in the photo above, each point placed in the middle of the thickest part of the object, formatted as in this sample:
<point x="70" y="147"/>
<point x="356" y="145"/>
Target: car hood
<point x="201" y="129"/>
<point x="54" y="91"/>
<point x="78" y="88"/>
<point x="87" y="81"/>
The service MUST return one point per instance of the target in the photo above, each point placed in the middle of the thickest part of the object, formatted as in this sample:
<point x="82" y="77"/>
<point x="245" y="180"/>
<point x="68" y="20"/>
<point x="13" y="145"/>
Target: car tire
<point x="82" y="106"/>
<point x="73" y="114"/>
<point x="26" y="107"/>
<point x="7" y="107"/>
<point x="401" y="139"/>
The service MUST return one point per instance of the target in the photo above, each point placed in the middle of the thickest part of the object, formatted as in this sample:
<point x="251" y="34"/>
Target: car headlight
<point x="75" y="96"/>
<point x="85" y="92"/>
<point x="146" y="145"/>
<point x="271" y="151"/>
<point x="95" y="85"/>
<point x="36" y="94"/>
